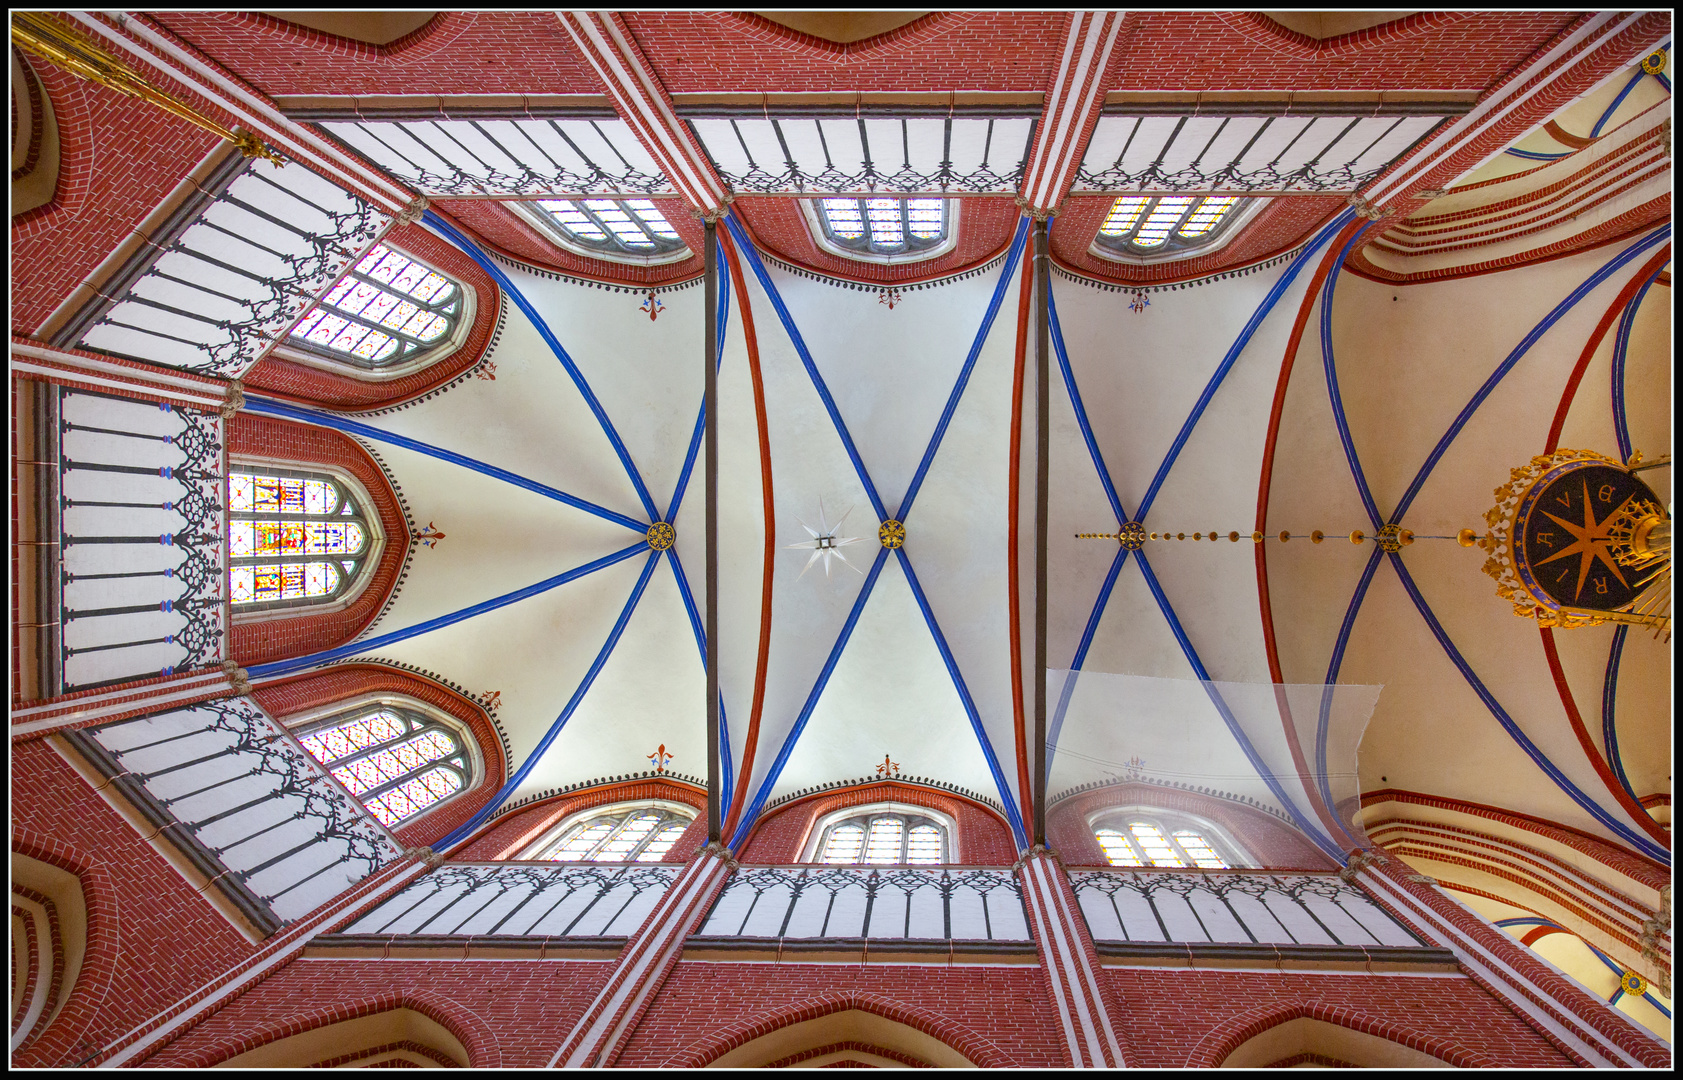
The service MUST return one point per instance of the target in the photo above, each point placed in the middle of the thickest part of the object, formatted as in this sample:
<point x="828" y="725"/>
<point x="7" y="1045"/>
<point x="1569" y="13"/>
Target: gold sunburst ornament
<point x="662" y="535"/>
<point x="891" y="533"/>
<point x="1578" y="539"/>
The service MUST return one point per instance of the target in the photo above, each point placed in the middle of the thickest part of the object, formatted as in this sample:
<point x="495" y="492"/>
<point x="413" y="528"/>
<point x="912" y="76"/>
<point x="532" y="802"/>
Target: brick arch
<point x="1228" y="1036"/>
<point x="476" y="1036"/>
<point x="1265" y="31"/>
<point x="504" y="836"/>
<point x="982" y="1051"/>
<point x="273" y="439"/>
<point x="1269" y="840"/>
<point x="984" y="836"/>
<point x="319" y="688"/>
<point x="758" y="28"/>
<point x="85" y="1004"/>
<point x="336" y="390"/>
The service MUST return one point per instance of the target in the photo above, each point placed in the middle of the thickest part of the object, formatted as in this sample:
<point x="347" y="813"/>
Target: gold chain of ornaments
<point x="1637" y="536"/>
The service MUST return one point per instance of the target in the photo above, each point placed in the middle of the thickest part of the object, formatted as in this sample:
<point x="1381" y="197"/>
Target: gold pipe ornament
<point x="67" y="49"/>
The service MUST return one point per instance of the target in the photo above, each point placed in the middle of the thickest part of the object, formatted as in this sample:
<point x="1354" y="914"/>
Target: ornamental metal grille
<point x="1148" y="225"/>
<point x="954" y="903"/>
<point x="1244" y="154"/>
<point x="559" y="156"/>
<point x="617" y="226"/>
<point x="246" y="796"/>
<point x="294" y="538"/>
<point x="884" y="226"/>
<point x="1276" y="909"/>
<point x="521" y="900"/>
<point x="225" y="279"/>
<point x="396" y="761"/>
<point x="636" y="835"/>
<point x="883" y="839"/>
<point x="814" y="155"/>
<point x="387" y="309"/>
<point x="140" y="487"/>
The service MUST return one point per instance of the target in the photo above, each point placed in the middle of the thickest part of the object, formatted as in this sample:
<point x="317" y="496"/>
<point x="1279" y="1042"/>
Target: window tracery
<point x="884" y="226"/>
<point x="389" y="308"/>
<point x="294" y="538"/>
<point x="620" y="834"/>
<point x="1153" y="225"/>
<point x="395" y="761"/>
<point x="633" y="227"/>
<point x="1153" y="841"/>
<point x="884" y="839"/>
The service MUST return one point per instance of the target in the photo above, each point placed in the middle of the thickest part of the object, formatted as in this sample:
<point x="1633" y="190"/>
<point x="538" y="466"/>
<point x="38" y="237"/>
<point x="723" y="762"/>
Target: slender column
<point x="1082" y="1004"/>
<point x="710" y="382"/>
<point x="104" y="375"/>
<point x="644" y="964"/>
<point x="1042" y="465"/>
<point x="135" y="699"/>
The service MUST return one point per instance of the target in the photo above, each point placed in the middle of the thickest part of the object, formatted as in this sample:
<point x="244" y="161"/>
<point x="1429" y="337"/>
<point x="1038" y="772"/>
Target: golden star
<point x="1591" y="542"/>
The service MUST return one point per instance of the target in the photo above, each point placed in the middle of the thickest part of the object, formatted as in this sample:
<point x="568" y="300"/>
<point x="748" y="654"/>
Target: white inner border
<point x="372" y="551"/>
<point x="809" y="208"/>
<point x="809" y="846"/>
<point x="1251" y="204"/>
<point x="538" y="218"/>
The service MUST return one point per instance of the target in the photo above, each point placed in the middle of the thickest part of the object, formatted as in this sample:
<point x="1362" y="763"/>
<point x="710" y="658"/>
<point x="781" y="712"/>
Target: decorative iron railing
<point x="141" y="539"/>
<point x="523" y="900"/>
<point x="928" y="903"/>
<point x="231" y="271"/>
<point x="1246" y="907"/>
<point x="561" y="156"/>
<point x="244" y="803"/>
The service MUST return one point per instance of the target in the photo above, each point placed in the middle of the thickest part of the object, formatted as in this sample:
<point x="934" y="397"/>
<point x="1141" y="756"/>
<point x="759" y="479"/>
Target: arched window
<point x="618" y="834"/>
<point x="1155" y="840"/>
<point x="396" y="761"/>
<point x="884" y="226"/>
<point x="388" y="310"/>
<point x="614" y="228"/>
<point x="293" y="538"/>
<point x="1159" y="224"/>
<point x="883" y="838"/>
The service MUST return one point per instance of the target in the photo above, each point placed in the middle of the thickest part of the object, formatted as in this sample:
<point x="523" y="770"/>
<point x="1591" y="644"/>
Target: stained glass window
<point x="614" y="226"/>
<point x="879" y="839"/>
<point x="293" y="538"/>
<point x="384" y="310"/>
<point x="396" y="762"/>
<point x="1139" y="842"/>
<point x="1148" y="224"/>
<point x="643" y="834"/>
<point x="884" y="226"/>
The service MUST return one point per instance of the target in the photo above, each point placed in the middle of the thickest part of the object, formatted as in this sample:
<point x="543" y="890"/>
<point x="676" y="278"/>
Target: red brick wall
<point x="306" y="692"/>
<point x="1181" y="1019"/>
<point x="500" y="229"/>
<point x="508" y="1014"/>
<point x="984" y="839"/>
<point x="314" y="386"/>
<point x="996" y="1016"/>
<point x="151" y="938"/>
<point x="284" y="441"/>
<point x="503" y="838"/>
<point x="118" y="158"/>
<point x="1275" y="844"/>
<point x="985" y="225"/>
<point x="499" y="52"/>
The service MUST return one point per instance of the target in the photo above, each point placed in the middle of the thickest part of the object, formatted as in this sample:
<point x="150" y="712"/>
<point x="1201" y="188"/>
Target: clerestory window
<point x="389" y="309"/>
<point x="294" y="538"/>
<point x="885" y="228"/>
<point x="1159" y="224"/>
<point x="884" y="839"/>
<point x="1156" y="842"/>
<point x="396" y="761"/>
<point x="637" y="834"/>
<point x="614" y="227"/>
